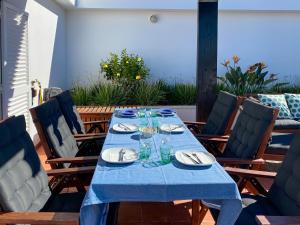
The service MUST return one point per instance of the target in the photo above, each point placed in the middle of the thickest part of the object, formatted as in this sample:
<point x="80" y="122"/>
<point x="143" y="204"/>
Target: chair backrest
<point x="285" y="191"/>
<point x="23" y="181"/>
<point x="252" y="131"/>
<point x="70" y="112"/>
<point x="222" y="115"/>
<point x="54" y="132"/>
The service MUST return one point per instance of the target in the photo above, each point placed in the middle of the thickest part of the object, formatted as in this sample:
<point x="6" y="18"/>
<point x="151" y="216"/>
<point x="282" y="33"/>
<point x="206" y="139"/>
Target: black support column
<point x="206" y="57"/>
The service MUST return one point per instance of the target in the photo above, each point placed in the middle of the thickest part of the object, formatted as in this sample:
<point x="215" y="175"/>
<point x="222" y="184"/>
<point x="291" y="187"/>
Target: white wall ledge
<point x="224" y="5"/>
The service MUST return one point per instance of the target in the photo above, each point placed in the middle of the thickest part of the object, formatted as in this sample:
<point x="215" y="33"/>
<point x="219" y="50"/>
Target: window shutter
<point x="15" y="76"/>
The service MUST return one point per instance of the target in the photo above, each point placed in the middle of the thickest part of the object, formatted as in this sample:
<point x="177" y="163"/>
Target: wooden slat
<point x="249" y="173"/>
<point x="70" y="171"/>
<point x="241" y="161"/>
<point x="82" y="159"/>
<point x="39" y="218"/>
<point x="278" y="220"/>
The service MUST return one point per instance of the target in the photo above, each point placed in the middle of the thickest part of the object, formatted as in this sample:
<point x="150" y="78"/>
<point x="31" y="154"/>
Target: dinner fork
<point x="174" y="128"/>
<point x="188" y="156"/>
<point x="196" y="156"/>
<point x="124" y="126"/>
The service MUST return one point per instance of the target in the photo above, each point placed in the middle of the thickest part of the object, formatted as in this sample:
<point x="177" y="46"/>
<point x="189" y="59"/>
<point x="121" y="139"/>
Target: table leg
<point x="195" y="212"/>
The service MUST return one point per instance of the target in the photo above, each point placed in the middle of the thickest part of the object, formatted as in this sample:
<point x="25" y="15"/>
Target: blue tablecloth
<point x="158" y="183"/>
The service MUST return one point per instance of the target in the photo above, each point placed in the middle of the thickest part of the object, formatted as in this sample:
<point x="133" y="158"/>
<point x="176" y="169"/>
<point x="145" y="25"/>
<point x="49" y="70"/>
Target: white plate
<point x="174" y="128"/>
<point x="206" y="158"/>
<point x="125" y="127"/>
<point x="111" y="155"/>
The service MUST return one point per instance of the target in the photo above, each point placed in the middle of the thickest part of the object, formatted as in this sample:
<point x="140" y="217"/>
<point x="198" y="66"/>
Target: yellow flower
<point x="139" y="59"/>
<point x="127" y="62"/>
<point x="118" y="74"/>
<point x="138" y="77"/>
<point x="236" y="59"/>
<point x="105" y="66"/>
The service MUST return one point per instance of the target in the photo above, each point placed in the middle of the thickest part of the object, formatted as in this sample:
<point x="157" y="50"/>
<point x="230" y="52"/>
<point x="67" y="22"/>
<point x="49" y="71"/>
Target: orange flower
<point x="226" y="63"/>
<point x="236" y="59"/>
<point x="252" y="68"/>
<point x="263" y="65"/>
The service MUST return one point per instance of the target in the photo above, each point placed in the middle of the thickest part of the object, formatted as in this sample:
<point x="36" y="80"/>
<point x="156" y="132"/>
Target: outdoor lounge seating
<point x="287" y="126"/>
<point x="280" y="204"/>
<point x="57" y="139"/>
<point x="221" y="118"/>
<point x="26" y="196"/>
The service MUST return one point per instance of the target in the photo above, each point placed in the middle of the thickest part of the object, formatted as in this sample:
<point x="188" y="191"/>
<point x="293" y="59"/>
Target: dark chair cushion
<point x="286" y="124"/>
<point x="64" y="202"/>
<point x="220" y="114"/>
<point x="249" y="130"/>
<point x="23" y="181"/>
<point x="285" y="191"/>
<point x="252" y="206"/>
<point x="280" y="141"/>
<point x="56" y="129"/>
<point x="70" y="112"/>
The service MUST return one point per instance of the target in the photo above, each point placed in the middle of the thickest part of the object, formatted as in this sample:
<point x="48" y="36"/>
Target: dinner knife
<point x="188" y="156"/>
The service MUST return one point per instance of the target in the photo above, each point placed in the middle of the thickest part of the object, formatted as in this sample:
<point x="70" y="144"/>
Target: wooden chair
<point x="250" y="136"/>
<point x="57" y="140"/>
<point x="221" y="118"/>
<point x="26" y="196"/>
<point x="279" y="205"/>
<point x="77" y="126"/>
<point x="247" y="143"/>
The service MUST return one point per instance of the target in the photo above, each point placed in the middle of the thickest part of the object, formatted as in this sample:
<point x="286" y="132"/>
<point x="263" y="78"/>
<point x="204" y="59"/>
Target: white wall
<point x="168" y="47"/>
<point x="46" y="36"/>
<point x="271" y="37"/>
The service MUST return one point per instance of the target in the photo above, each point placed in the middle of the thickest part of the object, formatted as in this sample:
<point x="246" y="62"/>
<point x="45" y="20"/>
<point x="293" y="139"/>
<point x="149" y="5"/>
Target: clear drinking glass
<point x="145" y="149"/>
<point x="155" y="124"/>
<point x="142" y="113"/>
<point x="165" y="151"/>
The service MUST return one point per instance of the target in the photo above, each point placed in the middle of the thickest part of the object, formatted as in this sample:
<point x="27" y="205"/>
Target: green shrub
<point x="183" y="94"/>
<point x="146" y="93"/>
<point x="81" y="95"/>
<point x="108" y="94"/>
<point x="284" y="88"/>
<point x="124" y="68"/>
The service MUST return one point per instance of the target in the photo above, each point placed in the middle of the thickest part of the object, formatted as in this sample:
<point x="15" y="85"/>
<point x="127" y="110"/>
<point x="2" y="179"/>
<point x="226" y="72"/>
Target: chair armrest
<point x="249" y="173"/>
<point x="39" y="218"/>
<point x="89" y="135"/>
<point x="194" y="123"/>
<point x="278" y="220"/>
<point x="73" y="160"/>
<point x="213" y="138"/>
<point x="71" y="171"/>
<point x="235" y="161"/>
<point x="88" y="138"/>
<point x="96" y="121"/>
